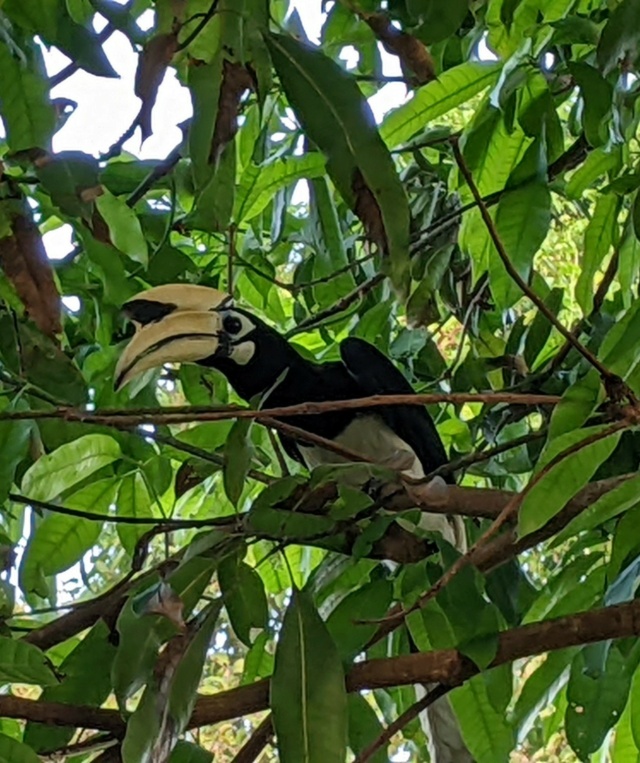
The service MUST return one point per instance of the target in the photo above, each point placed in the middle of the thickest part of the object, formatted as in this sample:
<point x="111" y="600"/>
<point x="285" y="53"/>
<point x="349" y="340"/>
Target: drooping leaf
<point x="598" y="239"/>
<point x="522" y="221"/>
<point x="12" y="751"/>
<point x="124" y="227"/>
<point x="244" y="597"/>
<point x="308" y="695"/>
<point x="134" y="500"/>
<point x="238" y="452"/>
<point x="152" y="65"/>
<point x="333" y="112"/>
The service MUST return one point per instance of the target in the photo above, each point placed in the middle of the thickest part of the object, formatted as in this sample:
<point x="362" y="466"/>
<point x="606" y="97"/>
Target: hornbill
<point x="188" y="323"/>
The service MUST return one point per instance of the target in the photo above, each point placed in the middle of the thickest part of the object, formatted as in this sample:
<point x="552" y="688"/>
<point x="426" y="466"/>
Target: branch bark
<point x="446" y="666"/>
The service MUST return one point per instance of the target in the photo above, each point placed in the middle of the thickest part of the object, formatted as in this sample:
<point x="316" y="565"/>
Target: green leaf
<point x="259" y="184"/>
<point x="336" y="117"/>
<point x="540" y="690"/>
<point x="186" y="752"/>
<point x="619" y="349"/>
<point x="50" y="20"/>
<point x="564" y="480"/>
<point x="124" y="227"/>
<point x="69" y="464"/>
<point x="598" y="239"/>
<point x="597" y="95"/>
<point x="244" y="597"/>
<point x="437" y="20"/>
<point x="452" y="88"/>
<point x="485" y="731"/>
<point x="59" y="540"/>
<point x="12" y="751"/>
<point x="611" y="504"/>
<point x="65" y="176"/>
<point x="14" y="446"/>
<point x="577" y="404"/>
<point x="624" y="749"/>
<point x="308" y="695"/>
<point x="635" y="215"/>
<point x="346" y="623"/>
<point x="24" y="663"/>
<point x="522" y="220"/>
<point x="133" y="501"/>
<point x="27" y="112"/>
<point x="364" y="727"/>
<point x="238" y="452"/>
<point x="143" y="729"/>
<point x="620" y="36"/>
<point x="540" y="328"/>
<point x="92" y="656"/>
<point x="595" y="701"/>
<point x="204" y="85"/>
<point x="598" y="162"/>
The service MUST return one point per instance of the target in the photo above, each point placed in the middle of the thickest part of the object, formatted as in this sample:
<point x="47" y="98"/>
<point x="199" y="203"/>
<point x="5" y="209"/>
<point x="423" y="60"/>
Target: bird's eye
<point x="231" y="324"/>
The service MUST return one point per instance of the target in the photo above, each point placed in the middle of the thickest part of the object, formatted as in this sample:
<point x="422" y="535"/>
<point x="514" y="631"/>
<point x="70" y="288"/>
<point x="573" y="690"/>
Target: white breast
<point x="371" y="437"/>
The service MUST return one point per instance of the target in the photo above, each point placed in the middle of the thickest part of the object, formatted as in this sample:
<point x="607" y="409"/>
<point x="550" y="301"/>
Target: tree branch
<point x="445" y="666"/>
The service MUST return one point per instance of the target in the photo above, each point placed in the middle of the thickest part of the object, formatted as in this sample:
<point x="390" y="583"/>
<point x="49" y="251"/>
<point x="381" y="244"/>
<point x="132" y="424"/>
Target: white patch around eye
<point x="242" y="353"/>
<point x="247" y="326"/>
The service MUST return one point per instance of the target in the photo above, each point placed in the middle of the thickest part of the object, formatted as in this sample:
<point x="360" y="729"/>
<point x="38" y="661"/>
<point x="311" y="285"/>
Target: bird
<point x="199" y="324"/>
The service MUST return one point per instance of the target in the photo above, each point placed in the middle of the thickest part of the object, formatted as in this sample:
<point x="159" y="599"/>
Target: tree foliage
<point x="485" y="234"/>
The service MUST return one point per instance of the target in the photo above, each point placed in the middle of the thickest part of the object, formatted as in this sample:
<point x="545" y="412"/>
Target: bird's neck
<point x="267" y="367"/>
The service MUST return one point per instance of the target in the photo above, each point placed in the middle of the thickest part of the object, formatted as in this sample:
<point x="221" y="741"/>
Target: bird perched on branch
<point x="187" y="323"/>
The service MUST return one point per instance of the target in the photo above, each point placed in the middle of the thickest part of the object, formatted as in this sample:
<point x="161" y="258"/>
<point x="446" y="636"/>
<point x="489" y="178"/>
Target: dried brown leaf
<point x="236" y="80"/>
<point x="413" y="54"/>
<point x="368" y="211"/>
<point x="152" y="65"/>
<point x="99" y="228"/>
<point x="26" y="265"/>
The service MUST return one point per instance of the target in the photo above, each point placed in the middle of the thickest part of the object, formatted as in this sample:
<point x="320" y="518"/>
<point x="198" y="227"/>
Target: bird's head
<point x="183" y="323"/>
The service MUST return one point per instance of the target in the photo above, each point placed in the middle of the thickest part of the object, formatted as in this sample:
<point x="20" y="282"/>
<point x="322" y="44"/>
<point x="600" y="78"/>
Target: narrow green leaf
<point x="259" y="184"/>
<point x="598" y="162"/>
<point x="124" y="227"/>
<point x="452" y="88"/>
<point x="69" y="464"/>
<point x="143" y="729"/>
<point x="238" y="452"/>
<point x="609" y="505"/>
<point x="565" y="479"/>
<point x="244" y="597"/>
<point x="308" y="695"/>
<point x="624" y="748"/>
<point x="598" y="239"/>
<point x="14" y="446"/>
<point x="21" y="662"/>
<point x="204" y="86"/>
<point x="12" y="751"/>
<point x="635" y="215"/>
<point x="133" y="501"/>
<point x="540" y="328"/>
<point x="337" y="118"/>
<point x="522" y="220"/>
<point x="577" y="404"/>
<point x="28" y="115"/>
<point x="486" y="732"/>
<point x="437" y="20"/>
<point x="597" y="95"/>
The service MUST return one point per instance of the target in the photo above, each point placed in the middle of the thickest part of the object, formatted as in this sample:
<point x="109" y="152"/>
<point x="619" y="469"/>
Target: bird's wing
<point x="375" y="374"/>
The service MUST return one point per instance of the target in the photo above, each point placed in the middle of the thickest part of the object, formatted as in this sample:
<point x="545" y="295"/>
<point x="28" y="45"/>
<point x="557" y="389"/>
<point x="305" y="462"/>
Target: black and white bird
<point x="187" y="323"/>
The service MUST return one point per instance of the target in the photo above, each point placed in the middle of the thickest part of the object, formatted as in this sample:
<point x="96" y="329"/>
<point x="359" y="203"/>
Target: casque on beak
<point x="174" y="323"/>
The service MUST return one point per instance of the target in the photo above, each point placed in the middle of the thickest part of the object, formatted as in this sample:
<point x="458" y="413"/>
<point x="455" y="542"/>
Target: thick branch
<point x="446" y="666"/>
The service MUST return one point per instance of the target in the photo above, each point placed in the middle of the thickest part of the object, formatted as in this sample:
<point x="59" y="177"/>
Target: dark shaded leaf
<point x="244" y="597"/>
<point x="620" y="37"/>
<point x="308" y="695"/>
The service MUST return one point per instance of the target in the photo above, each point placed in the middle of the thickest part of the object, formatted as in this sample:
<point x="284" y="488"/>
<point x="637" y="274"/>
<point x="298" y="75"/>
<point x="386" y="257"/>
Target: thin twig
<point x="184" y="414"/>
<point x="206" y="18"/>
<point x="513" y="273"/>
<point x="401" y="721"/>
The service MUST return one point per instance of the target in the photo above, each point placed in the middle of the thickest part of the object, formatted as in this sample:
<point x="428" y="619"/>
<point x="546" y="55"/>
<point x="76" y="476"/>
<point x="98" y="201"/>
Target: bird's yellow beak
<point x="175" y="323"/>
